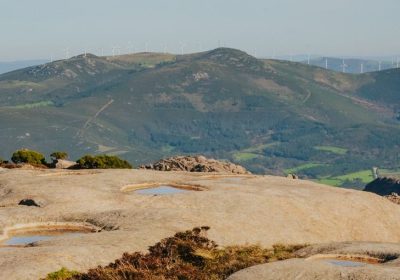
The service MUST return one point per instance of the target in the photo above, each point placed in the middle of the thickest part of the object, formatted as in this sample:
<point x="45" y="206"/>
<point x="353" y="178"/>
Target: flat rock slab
<point x="239" y="209"/>
<point x="325" y="262"/>
<point x="315" y="270"/>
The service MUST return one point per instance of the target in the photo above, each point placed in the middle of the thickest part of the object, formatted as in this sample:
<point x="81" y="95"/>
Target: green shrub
<point x="28" y="156"/>
<point x="59" y="155"/>
<point x="102" y="162"/>
<point x="62" y="274"/>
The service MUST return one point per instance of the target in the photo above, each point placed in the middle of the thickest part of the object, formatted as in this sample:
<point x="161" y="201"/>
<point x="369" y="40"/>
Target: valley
<point x="271" y="116"/>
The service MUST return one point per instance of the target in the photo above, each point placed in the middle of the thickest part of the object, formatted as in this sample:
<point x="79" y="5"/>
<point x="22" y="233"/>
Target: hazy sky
<point x="43" y="28"/>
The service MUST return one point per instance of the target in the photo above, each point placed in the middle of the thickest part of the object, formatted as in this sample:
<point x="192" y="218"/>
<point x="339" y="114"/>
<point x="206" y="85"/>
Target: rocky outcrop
<point x="63" y="164"/>
<point x="332" y="261"/>
<point x="29" y="202"/>
<point x="195" y="164"/>
<point x="384" y="186"/>
<point x="394" y="197"/>
<point x="292" y="176"/>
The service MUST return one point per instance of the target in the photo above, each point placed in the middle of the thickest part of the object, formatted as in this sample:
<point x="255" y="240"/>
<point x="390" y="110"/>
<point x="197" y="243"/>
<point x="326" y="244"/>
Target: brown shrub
<point x="188" y="255"/>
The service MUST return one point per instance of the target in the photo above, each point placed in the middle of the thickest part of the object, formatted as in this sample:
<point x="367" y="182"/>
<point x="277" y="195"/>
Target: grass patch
<point x="329" y="181"/>
<point x="244" y="156"/>
<point x="252" y="152"/>
<point x="332" y="149"/>
<point x="302" y="167"/>
<point x="62" y="274"/>
<point x="365" y="176"/>
<point x="33" y="105"/>
<point x="188" y="255"/>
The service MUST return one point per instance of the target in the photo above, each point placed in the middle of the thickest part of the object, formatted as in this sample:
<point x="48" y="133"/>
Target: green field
<point x="252" y="152"/>
<point x="33" y="105"/>
<point x="363" y="177"/>
<point x="244" y="156"/>
<point x="329" y="181"/>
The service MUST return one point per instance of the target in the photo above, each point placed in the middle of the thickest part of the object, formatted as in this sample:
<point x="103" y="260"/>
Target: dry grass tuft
<point x="188" y="255"/>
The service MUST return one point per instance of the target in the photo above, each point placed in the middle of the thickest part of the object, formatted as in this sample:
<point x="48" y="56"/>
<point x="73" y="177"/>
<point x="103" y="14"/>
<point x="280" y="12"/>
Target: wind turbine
<point x="113" y="50"/>
<point x="66" y="52"/>
<point x="362" y="68"/>
<point x="380" y="66"/>
<point x="308" y="59"/>
<point x="129" y="47"/>
<point x="326" y="63"/>
<point x="344" y="66"/>
<point x="183" y="45"/>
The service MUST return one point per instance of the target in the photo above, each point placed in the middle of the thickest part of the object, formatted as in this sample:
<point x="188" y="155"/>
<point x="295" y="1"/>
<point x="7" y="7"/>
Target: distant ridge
<point x="351" y="65"/>
<point x="14" y="65"/>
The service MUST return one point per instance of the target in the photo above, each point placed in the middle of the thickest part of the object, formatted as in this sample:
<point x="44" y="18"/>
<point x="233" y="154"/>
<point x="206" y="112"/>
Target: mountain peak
<point x="234" y="58"/>
<point x="87" y="55"/>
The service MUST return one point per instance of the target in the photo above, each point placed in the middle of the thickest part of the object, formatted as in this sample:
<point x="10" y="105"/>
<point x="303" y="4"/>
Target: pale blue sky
<point x="42" y="28"/>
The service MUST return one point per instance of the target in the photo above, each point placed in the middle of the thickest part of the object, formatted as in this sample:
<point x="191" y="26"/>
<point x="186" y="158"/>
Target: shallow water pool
<point x="161" y="190"/>
<point x="346" y="263"/>
<point x="28" y="238"/>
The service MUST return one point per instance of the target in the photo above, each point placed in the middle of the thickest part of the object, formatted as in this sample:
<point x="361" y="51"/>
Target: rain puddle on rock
<point x="346" y="263"/>
<point x="161" y="190"/>
<point x="25" y="238"/>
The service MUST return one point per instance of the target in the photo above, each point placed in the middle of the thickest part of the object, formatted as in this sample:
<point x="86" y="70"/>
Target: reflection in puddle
<point x="161" y="190"/>
<point x="346" y="263"/>
<point x="23" y="237"/>
<point x="27" y="239"/>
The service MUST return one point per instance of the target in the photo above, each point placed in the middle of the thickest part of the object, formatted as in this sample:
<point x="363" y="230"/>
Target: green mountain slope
<point x="265" y="114"/>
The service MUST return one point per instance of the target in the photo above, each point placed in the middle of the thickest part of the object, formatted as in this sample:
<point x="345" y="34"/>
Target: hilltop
<point x="270" y="116"/>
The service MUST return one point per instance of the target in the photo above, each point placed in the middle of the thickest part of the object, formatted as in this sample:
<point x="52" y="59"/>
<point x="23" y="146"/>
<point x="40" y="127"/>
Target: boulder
<point x="30" y="202"/>
<point x="292" y="176"/>
<point x="195" y="164"/>
<point x="384" y="186"/>
<point x="63" y="164"/>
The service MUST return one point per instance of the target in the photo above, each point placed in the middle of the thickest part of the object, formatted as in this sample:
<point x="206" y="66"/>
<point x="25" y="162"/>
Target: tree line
<point x="25" y="156"/>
